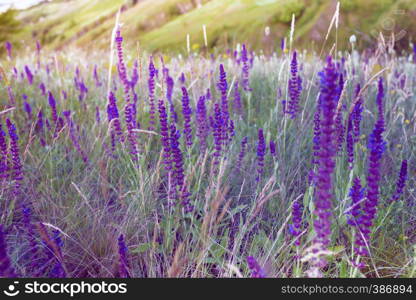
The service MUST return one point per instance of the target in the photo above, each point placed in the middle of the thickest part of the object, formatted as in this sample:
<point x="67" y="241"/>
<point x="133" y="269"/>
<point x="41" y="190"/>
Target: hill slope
<point x="163" y="24"/>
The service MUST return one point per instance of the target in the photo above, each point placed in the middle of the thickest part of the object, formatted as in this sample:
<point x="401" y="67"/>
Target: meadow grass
<point x="91" y="203"/>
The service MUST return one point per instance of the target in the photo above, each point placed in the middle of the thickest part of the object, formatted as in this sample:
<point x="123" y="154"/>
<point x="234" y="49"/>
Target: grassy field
<point x="240" y="163"/>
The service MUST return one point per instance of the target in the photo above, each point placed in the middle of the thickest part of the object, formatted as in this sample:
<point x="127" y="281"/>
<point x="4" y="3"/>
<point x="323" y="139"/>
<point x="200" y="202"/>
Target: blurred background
<point x="162" y="25"/>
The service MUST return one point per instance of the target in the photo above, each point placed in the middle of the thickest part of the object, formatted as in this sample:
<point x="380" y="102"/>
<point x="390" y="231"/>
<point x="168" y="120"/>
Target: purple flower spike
<point x="401" y="181"/>
<point x="295" y="87"/>
<point x="217" y="124"/>
<point x="176" y="156"/>
<point x="202" y="123"/>
<point x="29" y="75"/>
<point x="6" y="268"/>
<point x="17" y="169"/>
<point x="129" y="109"/>
<point x="356" y="115"/>
<point x="164" y="132"/>
<point x="223" y="87"/>
<point x="8" y="46"/>
<point x="245" y="81"/>
<point x="3" y="154"/>
<point x="357" y="195"/>
<point x="187" y="113"/>
<point x="272" y="147"/>
<point x="295" y="228"/>
<point x="242" y="153"/>
<point x="323" y="193"/>
<point x="123" y="264"/>
<point x="350" y="142"/>
<point x="237" y="105"/>
<point x="151" y="85"/>
<point x="256" y="270"/>
<point x="52" y="105"/>
<point x="376" y="146"/>
<point x="261" y="152"/>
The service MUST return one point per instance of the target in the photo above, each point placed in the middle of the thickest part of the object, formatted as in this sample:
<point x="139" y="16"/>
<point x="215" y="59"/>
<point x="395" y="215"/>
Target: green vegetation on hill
<point x="164" y="24"/>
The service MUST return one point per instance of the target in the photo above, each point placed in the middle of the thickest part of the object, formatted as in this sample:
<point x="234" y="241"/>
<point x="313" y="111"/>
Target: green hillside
<point x="164" y="24"/>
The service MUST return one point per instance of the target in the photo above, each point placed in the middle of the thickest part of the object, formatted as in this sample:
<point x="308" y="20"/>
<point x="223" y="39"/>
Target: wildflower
<point x="73" y="135"/>
<point x="323" y="193"/>
<point x="223" y="87"/>
<point x="295" y="87"/>
<point x="164" y="132"/>
<point x="177" y="159"/>
<point x="52" y="105"/>
<point x="376" y="146"/>
<point x="217" y="131"/>
<point x="151" y="85"/>
<point x="256" y="270"/>
<point x="245" y="70"/>
<point x="357" y="195"/>
<point x="129" y="109"/>
<point x="3" y="154"/>
<point x="29" y="75"/>
<point x="8" y="47"/>
<point x="123" y="264"/>
<point x="237" y="105"/>
<point x="42" y="88"/>
<point x="261" y="152"/>
<point x="295" y="228"/>
<point x="401" y="181"/>
<point x="356" y="115"/>
<point x="202" y="123"/>
<point x="272" y="147"/>
<point x="350" y="142"/>
<point x="187" y="112"/>
<point x="17" y="169"/>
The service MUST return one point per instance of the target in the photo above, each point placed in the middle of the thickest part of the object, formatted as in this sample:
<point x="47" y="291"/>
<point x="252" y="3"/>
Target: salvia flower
<point x="123" y="264"/>
<point x="350" y="142"/>
<point x="245" y="82"/>
<point x="113" y="115"/>
<point x="187" y="113"/>
<point x="295" y="87"/>
<point x="295" y="228"/>
<point x="323" y="191"/>
<point x="377" y="147"/>
<point x="29" y="75"/>
<point x="261" y="152"/>
<point x="129" y="109"/>
<point x="217" y="124"/>
<point x="256" y="270"/>
<point x="401" y="181"/>
<point x="223" y="87"/>
<point x="202" y="123"/>
<point x="164" y="132"/>
<point x="28" y="109"/>
<point x="237" y="105"/>
<point x="17" y="169"/>
<point x="151" y="86"/>
<point x="357" y="195"/>
<point x="3" y="154"/>
<point x="42" y="88"/>
<point x="177" y="158"/>
<point x="8" y="47"/>
<point x="52" y="105"/>
<point x="356" y="115"/>
<point x="272" y="146"/>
